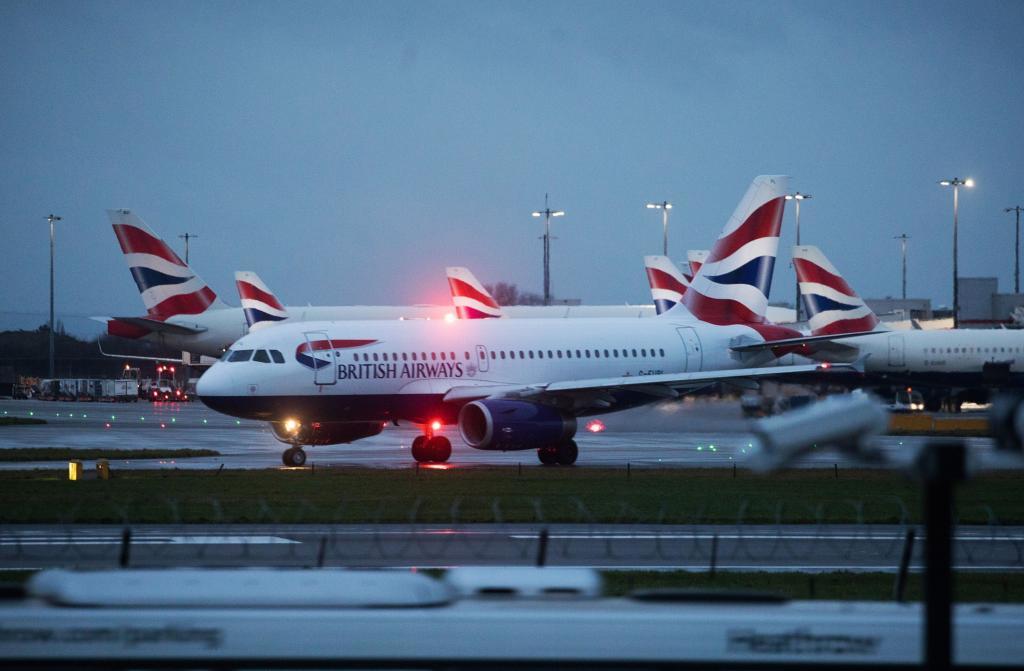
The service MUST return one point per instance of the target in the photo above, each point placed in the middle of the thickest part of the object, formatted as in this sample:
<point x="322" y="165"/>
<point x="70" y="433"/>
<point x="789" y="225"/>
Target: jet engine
<point x="513" y="425"/>
<point x="294" y="432"/>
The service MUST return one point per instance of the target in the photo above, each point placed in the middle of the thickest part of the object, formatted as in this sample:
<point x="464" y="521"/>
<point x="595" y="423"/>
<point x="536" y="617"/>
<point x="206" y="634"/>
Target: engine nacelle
<point x="324" y="433"/>
<point x="513" y="425"/>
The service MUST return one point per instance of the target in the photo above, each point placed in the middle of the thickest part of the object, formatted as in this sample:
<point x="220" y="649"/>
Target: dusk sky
<point x="347" y="152"/>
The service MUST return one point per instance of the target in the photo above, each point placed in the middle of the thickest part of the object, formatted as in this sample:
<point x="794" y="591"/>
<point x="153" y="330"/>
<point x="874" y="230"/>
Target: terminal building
<point x="982" y="306"/>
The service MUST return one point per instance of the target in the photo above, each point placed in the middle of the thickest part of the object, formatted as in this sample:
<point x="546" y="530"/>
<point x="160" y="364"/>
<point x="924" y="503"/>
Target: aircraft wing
<point x="599" y="392"/>
<point x="803" y="340"/>
<point x="159" y="326"/>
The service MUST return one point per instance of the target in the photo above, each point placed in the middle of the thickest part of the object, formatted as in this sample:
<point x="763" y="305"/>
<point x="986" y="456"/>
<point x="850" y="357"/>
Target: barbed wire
<point x="628" y="539"/>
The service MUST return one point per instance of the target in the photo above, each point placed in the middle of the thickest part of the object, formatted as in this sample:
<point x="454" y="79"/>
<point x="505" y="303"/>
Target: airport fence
<point x="568" y="532"/>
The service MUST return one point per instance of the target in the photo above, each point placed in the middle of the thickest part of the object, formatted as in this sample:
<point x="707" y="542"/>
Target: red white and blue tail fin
<point x="732" y="285"/>
<point x="167" y="285"/>
<point x="696" y="258"/>
<point x="259" y="304"/>
<point x="667" y="283"/>
<point x="470" y="298"/>
<point x="834" y="307"/>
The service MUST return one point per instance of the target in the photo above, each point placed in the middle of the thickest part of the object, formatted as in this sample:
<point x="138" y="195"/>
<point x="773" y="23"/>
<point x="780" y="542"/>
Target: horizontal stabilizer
<point x="156" y="326"/>
<point x="792" y="342"/>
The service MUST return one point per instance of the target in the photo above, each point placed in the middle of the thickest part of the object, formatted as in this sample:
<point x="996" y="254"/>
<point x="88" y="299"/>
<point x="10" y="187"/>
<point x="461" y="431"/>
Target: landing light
<point x="825" y="365"/>
<point x="435" y="425"/>
<point x="449" y="317"/>
<point x="291" y="425"/>
<point x="595" y="426"/>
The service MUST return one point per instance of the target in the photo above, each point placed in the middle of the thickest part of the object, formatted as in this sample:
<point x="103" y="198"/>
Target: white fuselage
<point x="423" y="360"/>
<point x="958" y="356"/>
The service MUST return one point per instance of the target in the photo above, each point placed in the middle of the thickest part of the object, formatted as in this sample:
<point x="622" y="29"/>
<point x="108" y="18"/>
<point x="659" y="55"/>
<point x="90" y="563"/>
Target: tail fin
<point x="260" y="306"/>
<point x="667" y="284"/>
<point x="732" y="285"/>
<point x="168" y="286"/>
<point x="696" y="259"/>
<point x="471" y="299"/>
<point x="833" y="306"/>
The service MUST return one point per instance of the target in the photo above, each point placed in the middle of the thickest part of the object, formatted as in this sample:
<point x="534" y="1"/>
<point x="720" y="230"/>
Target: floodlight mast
<point x="956" y="183"/>
<point x="547" y="213"/>
<point x="664" y="206"/>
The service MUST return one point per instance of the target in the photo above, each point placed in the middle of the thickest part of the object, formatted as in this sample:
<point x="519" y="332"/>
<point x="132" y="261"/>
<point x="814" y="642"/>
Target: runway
<point x="688" y="433"/>
<point x="734" y="548"/>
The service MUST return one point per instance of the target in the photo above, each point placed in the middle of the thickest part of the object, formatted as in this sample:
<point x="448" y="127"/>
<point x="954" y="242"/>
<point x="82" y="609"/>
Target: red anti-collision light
<point x="435" y="425"/>
<point x="595" y="426"/>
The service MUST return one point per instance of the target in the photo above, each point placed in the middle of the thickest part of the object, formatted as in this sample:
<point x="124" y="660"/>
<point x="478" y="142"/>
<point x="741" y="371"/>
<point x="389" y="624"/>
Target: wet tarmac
<point x="689" y="433"/>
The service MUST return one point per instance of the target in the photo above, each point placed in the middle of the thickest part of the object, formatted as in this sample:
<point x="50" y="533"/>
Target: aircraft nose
<point x="216" y="383"/>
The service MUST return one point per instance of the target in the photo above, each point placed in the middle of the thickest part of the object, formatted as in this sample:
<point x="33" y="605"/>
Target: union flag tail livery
<point x="696" y="258"/>
<point x="732" y="285"/>
<point x="167" y="285"/>
<point x="259" y="304"/>
<point x="471" y="299"/>
<point x="667" y="284"/>
<point x="834" y="307"/>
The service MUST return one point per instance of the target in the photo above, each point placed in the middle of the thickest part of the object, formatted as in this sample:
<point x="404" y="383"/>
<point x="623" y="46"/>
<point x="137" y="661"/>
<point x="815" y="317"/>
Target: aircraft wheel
<point x="439" y="448"/>
<point x="419" y="449"/>
<point x="294" y="456"/>
<point x="567" y="452"/>
<point x="548" y="455"/>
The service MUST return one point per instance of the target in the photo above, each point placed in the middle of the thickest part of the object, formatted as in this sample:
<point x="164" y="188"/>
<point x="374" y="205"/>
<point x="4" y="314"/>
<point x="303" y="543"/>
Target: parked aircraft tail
<point x="471" y="299"/>
<point x="667" y="283"/>
<point x="834" y="307"/>
<point x="168" y="286"/>
<point x="259" y="304"/>
<point x="732" y="285"/>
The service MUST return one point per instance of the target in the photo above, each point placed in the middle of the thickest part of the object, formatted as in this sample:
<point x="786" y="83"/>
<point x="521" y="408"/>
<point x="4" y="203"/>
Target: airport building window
<point x="276" y="356"/>
<point x="261" y="356"/>
<point x="240" y="355"/>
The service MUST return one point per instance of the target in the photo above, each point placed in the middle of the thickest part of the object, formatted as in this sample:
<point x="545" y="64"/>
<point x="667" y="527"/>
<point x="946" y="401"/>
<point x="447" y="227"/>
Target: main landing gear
<point x="294" y="456"/>
<point x="431" y="448"/>
<point x="560" y="454"/>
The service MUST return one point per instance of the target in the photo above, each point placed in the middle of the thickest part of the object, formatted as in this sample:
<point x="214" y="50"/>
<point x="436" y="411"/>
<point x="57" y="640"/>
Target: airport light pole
<point x="664" y="206"/>
<point x="186" y="237"/>
<point x="1016" y="250"/>
<point x="903" y="237"/>
<point x="547" y="213"/>
<point x="956" y="183"/>
<point x="51" y="218"/>
<point x="798" y="198"/>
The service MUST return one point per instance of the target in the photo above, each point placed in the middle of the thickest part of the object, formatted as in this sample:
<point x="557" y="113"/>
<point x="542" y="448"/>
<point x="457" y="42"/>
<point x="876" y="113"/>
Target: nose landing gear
<point x="431" y="448"/>
<point x="294" y="456"/>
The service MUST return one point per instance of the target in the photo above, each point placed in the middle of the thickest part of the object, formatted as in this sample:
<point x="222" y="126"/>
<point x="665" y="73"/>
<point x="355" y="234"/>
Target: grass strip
<point x="20" y="421"/>
<point x="67" y="453"/>
<point x="495" y="495"/>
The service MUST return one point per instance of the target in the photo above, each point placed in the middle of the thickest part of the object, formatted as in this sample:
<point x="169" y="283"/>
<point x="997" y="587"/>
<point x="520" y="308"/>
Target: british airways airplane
<point x="950" y="365"/>
<point x="514" y="384"/>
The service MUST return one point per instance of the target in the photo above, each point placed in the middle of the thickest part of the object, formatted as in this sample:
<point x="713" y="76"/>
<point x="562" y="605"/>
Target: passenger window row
<point x="260" y="355"/>
<point x="973" y="350"/>
<point x="631" y="353"/>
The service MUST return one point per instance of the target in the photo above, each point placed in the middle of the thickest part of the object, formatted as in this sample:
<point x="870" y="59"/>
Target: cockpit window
<point x="240" y="355"/>
<point x="276" y="356"/>
<point x="226" y="355"/>
<point x="261" y="356"/>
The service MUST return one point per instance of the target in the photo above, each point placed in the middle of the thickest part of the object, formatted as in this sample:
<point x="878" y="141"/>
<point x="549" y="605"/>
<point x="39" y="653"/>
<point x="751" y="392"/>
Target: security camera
<point x="848" y="422"/>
